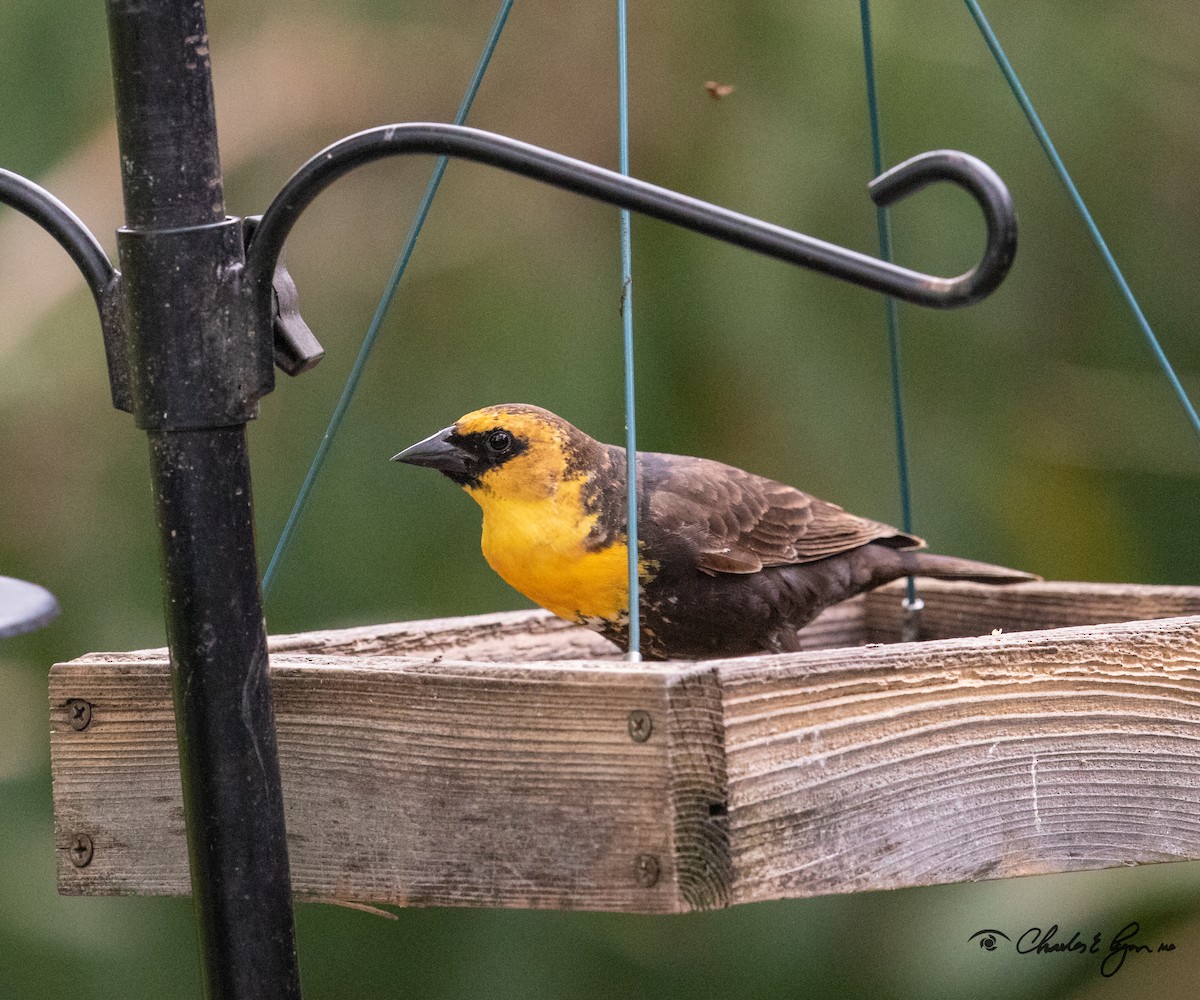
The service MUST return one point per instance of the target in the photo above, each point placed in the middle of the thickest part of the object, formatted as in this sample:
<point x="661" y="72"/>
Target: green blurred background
<point x="1042" y="435"/>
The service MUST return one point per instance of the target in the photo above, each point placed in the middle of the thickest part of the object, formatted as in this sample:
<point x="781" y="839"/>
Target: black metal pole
<point x="198" y="367"/>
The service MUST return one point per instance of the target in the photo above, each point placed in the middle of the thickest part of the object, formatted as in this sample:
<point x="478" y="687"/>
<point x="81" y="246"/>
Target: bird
<point x="729" y="563"/>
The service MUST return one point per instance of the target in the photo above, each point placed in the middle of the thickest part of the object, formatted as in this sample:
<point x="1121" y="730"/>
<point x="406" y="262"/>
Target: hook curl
<point x="979" y="180"/>
<point x="990" y="193"/>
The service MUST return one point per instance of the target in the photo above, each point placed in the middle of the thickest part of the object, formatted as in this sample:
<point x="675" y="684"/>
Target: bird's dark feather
<point x="733" y="521"/>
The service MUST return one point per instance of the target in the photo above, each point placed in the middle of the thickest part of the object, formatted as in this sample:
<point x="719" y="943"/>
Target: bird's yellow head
<point x="547" y="529"/>
<point x="513" y="450"/>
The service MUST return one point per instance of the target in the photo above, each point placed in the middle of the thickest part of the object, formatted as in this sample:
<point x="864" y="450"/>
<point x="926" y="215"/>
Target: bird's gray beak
<point x="437" y="452"/>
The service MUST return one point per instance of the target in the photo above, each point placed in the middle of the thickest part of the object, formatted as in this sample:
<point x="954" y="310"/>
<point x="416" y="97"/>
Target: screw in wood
<point x="640" y="726"/>
<point x="646" y="870"/>
<point x="81" y="850"/>
<point x="79" y="713"/>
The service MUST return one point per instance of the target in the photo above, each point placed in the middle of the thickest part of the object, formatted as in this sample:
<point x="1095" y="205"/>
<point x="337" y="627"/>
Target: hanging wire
<point x="635" y="619"/>
<point x="883" y="221"/>
<point x="1056" y="162"/>
<point x="385" y="301"/>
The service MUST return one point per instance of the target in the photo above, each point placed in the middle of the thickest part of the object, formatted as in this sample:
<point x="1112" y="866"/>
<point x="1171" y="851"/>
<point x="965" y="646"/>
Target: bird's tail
<point x="953" y="568"/>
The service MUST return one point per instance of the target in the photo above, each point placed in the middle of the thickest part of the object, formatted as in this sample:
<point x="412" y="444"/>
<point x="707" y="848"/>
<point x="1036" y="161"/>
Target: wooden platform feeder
<point x="512" y="760"/>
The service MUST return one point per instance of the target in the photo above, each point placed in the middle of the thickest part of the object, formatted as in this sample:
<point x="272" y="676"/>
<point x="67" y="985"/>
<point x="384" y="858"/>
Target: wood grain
<point x="407" y="783"/>
<point x="522" y="636"/>
<point x="415" y="776"/>
<point x="956" y="610"/>
<point x="957" y="760"/>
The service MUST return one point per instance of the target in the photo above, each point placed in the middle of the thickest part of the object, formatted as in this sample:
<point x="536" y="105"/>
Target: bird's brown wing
<point x="736" y="522"/>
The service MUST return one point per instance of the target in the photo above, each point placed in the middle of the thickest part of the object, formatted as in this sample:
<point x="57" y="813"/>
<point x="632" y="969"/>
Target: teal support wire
<point x="635" y="617"/>
<point x="883" y="221"/>
<point x="1043" y="137"/>
<point x="389" y="293"/>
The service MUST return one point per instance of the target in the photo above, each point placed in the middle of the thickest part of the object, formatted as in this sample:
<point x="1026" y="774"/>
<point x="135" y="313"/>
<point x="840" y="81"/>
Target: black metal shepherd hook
<point x="188" y="325"/>
<point x="905" y="179"/>
<point x="295" y="352"/>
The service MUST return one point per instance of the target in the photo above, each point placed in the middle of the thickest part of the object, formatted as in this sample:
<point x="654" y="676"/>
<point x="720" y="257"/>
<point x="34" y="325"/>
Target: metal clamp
<point x="296" y="349"/>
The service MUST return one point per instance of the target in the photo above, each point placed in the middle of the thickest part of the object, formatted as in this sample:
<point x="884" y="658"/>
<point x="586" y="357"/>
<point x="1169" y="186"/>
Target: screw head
<point x="646" y="870"/>
<point x="79" y="714"/>
<point x="640" y="726"/>
<point x="81" y="850"/>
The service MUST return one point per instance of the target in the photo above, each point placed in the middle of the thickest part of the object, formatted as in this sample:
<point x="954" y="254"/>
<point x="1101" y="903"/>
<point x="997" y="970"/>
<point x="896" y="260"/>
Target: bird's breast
<point x="540" y="548"/>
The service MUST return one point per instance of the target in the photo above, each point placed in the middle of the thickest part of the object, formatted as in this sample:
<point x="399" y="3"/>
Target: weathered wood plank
<point x="956" y="610"/>
<point x="419" y="783"/>
<point x="699" y="789"/>
<point x="519" y="636"/>
<point x="965" y="759"/>
<point x="419" y="779"/>
<point x="951" y="610"/>
<point x="508" y="636"/>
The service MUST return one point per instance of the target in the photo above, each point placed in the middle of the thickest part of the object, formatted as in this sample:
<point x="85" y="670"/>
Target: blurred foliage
<point x="1042" y="435"/>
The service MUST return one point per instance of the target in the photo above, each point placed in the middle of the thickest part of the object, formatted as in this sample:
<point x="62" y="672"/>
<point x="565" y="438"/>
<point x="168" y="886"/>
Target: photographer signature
<point x="1037" y="941"/>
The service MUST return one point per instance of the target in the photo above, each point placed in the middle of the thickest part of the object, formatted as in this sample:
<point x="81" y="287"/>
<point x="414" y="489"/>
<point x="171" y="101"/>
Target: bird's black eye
<point x="499" y="442"/>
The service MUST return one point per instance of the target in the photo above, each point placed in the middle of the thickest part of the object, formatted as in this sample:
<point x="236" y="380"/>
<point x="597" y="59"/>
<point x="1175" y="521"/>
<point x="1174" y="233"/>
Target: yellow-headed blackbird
<point x="729" y="562"/>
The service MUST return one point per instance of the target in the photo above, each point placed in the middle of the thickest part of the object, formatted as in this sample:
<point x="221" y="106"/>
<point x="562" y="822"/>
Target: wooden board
<point x="966" y="759"/>
<point x="955" y="610"/>
<point x="411" y="777"/>
<point x="520" y="636"/>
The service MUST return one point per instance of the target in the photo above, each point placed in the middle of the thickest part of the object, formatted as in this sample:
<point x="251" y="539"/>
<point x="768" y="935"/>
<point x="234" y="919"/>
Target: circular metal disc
<point x="24" y="607"/>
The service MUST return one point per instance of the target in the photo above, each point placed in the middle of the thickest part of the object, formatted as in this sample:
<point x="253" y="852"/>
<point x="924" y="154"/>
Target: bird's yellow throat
<point x="536" y="527"/>
<point x="537" y="546"/>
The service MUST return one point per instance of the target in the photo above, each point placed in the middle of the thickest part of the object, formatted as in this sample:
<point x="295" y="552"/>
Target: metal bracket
<point x="962" y="169"/>
<point x="295" y="348"/>
<point x="220" y="383"/>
